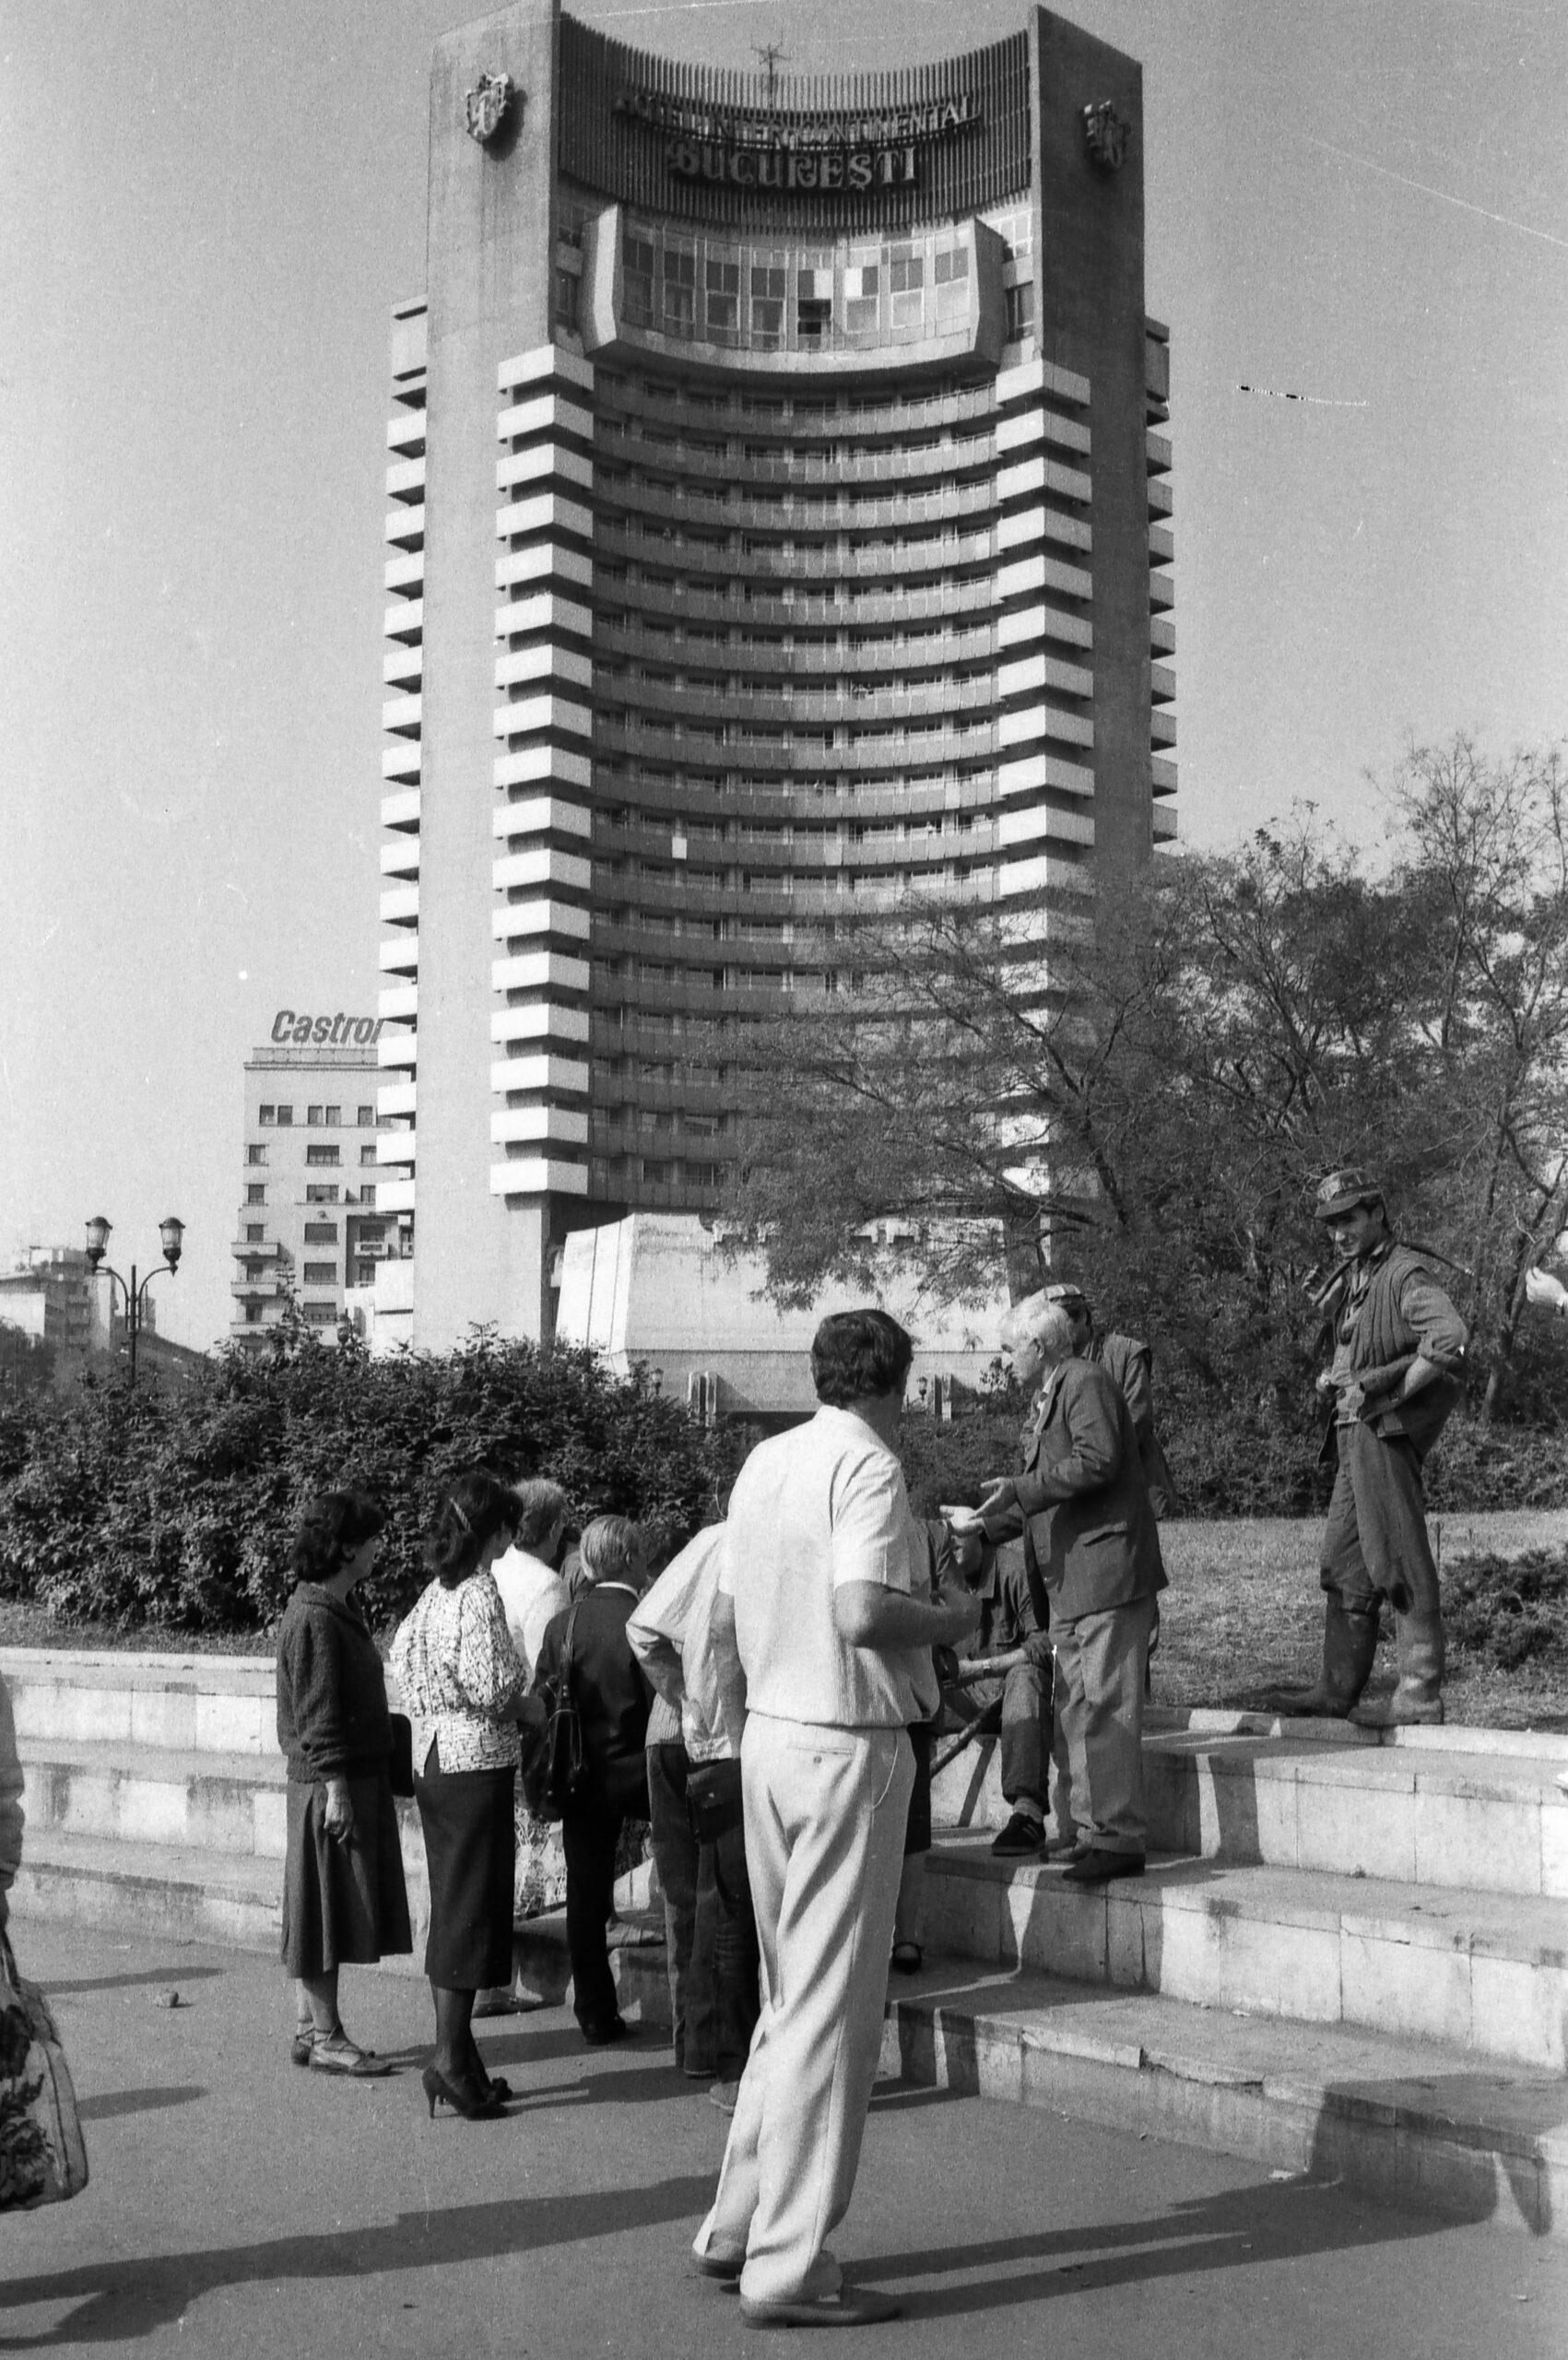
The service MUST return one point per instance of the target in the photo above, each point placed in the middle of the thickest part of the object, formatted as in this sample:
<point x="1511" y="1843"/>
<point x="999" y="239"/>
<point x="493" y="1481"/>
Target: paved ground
<point x="239" y="2207"/>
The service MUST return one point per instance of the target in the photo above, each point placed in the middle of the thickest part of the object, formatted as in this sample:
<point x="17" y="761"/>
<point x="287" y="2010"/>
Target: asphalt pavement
<point x="239" y="2206"/>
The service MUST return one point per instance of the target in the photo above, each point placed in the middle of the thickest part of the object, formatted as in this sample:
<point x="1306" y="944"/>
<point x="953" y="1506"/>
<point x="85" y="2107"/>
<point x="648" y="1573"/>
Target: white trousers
<point x="825" y="1815"/>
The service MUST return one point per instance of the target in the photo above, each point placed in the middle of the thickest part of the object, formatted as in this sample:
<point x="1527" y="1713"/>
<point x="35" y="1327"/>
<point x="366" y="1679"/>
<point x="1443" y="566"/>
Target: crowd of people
<point x="769" y="1703"/>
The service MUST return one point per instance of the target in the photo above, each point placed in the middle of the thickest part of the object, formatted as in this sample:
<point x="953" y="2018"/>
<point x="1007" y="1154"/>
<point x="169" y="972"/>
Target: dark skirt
<point x="344" y="1902"/>
<point x="471" y="1852"/>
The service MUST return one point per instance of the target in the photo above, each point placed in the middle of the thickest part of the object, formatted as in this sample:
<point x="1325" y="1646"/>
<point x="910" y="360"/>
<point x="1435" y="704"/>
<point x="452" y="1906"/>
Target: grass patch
<point x="1244" y="1612"/>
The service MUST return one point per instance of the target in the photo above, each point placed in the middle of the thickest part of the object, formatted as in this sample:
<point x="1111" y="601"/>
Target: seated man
<point x="1014" y="1703"/>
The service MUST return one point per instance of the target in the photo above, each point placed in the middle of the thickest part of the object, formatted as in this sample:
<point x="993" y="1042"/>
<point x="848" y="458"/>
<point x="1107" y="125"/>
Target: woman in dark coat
<point x="344" y="1900"/>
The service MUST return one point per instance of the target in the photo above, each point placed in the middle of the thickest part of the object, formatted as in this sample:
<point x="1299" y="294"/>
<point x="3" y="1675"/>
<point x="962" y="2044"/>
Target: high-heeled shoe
<point x="461" y="2095"/>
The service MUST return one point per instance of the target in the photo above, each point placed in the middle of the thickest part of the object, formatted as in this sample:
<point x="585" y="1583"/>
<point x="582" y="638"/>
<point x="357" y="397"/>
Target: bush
<point x="177" y="1509"/>
<point x="1509" y="1611"/>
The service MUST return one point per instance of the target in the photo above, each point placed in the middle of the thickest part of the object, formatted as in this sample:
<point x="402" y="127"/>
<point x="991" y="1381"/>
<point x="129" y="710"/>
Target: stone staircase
<point x="1348" y="1957"/>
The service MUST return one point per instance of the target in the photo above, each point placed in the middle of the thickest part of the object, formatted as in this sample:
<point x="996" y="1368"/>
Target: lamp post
<point x="172" y="1232"/>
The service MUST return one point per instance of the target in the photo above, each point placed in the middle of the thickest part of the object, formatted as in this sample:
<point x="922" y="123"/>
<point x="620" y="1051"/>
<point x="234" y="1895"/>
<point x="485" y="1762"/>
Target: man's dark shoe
<point x="601" y="2036"/>
<point x="1098" y="1866"/>
<point x="1021" y="1839"/>
<point x="722" y="2262"/>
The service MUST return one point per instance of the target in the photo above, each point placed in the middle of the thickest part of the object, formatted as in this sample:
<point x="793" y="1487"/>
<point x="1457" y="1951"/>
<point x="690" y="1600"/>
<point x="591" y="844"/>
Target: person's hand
<point x="338" y="1817"/>
<point x="1325" y="1381"/>
<point x="1542" y="1287"/>
<point x="1352" y="1399"/>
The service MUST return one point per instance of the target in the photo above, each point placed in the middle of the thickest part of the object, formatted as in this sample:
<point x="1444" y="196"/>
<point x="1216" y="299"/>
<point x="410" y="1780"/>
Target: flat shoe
<point x="723" y="2263"/>
<point x="1099" y="1866"/>
<point x="724" y="2096"/>
<point x="844" y="2309"/>
<point x="340" y="2054"/>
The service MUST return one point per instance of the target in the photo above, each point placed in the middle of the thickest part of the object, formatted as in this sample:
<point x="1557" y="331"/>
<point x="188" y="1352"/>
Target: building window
<point x="321" y="1315"/>
<point x="723" y="298"/>
<point x="255" y="1270"/>
<point x="285" y="1116"/>
<point x="253" y="1315"/>
<point x="367" y="1118"/>
<point x="366" y="1274"/>
<point x="267" y="1115"/>
<point x="367" y="1195"/>
<point x="312" y="1118"/>
<point x="321" y="1233"/>
<point x="680" y="280"/>
<point x="333" y="1118"/>
<point x="254" y="1154"/>
<point x="637" y="280"/>
<point x="769" y="289"/>
<point x="321" y="1274"/>
<point x="321" y="1192"/>
<point x="1020" y="311"/>
<point x="814" y="305"/>
<point x="322" y="1154"/>
<point x="862" y="286"/>
<point x="566" y="296"/>
<point x="255" y="1231"/>
<point x="256" y="1193"/>
<point x="371" y="1231"/>
<point x="367" y="1155"/>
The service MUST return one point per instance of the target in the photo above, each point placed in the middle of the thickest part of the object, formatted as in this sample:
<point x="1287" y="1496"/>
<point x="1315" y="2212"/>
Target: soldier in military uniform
<point x="1398" y="1350"/>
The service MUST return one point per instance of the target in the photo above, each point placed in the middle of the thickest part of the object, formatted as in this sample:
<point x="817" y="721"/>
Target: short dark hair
<point x="477" y="1506"/>
<point x="858" y="1355"/>
<point x="332" y="1527"/>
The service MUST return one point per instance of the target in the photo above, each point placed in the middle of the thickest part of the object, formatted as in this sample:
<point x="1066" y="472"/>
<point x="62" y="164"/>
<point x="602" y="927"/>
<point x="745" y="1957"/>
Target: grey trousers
<point x="1098" y="1787"/>
<point x="825" y="1814"/>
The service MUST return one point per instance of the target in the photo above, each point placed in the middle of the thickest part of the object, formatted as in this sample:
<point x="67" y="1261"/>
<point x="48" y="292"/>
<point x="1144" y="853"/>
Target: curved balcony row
<point x="704" y="504"/>
<point x="748" y="607"/>
<point x="971" y="550"/>
<point x="975" y="454"/>
<point x="933" y="650"/>
<point x="705" y="701"/>
<point x="760" y="421"/>
<point x="670" y="807"/>
<point x="885" y="752"/>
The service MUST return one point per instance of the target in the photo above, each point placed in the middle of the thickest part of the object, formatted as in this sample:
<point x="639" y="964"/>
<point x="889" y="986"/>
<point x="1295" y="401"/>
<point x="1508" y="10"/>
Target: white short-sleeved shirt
<point x="813" y="1509"/>
<point x="532" y="1595"/>
<point x="680" y="1609"/>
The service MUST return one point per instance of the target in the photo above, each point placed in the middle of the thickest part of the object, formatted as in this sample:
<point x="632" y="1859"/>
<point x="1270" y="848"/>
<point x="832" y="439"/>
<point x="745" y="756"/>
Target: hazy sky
<point x="206" y="211"/>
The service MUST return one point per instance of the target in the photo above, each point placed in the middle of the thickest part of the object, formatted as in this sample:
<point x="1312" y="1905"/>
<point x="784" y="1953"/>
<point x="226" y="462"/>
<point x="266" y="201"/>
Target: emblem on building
<point x="486" y="108"/>
<point x="1106" y="134"/>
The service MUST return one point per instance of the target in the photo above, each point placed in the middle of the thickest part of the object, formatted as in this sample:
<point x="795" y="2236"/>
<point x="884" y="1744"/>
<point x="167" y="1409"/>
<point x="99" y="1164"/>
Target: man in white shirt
<point x="823" y="1653"/>
<point x="532" y="1592"/>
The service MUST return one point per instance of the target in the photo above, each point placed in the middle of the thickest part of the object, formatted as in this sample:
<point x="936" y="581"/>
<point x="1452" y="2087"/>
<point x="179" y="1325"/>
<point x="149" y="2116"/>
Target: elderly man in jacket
<point x="1081" y="1504"/>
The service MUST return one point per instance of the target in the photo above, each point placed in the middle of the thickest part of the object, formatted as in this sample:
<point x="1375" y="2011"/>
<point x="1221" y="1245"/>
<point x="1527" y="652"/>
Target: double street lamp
<point x="172" y="1232"/>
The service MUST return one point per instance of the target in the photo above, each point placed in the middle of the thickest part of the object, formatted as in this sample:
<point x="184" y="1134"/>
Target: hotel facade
<point x="777" y="517"/>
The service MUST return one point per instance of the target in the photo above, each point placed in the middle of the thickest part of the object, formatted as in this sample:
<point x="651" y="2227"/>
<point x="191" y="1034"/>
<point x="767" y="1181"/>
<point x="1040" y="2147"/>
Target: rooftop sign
<point x="325" y="1032"/>
<point x="799" y="153"/>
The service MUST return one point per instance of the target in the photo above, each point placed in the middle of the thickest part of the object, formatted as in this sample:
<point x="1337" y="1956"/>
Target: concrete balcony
<point x="1036" y="821"/>
<point x="1026" y="577"/>
<point x="523" y="921"/>
<point x="543" y="611"/>
<point x="403" y="715"/>
<point x="1024" y="428"/>
<point x="535" y="716"/>
<point x="400" y="858"/>
<point x="394" y="1147"/>
<point x="1160" y="501"/>
<point x="544" y="463"/>
<point x="555" y="765"/>
<point x="538" y="1020"/>
<point x="405" y="528"/>
<point x="395" y="1098"/>
<point x="406" y="432"/>
<point x="400" y="905"/>
<point x="544" y="562"/>
<point x="536" y="971"/>
<point x="1165" y="829"/>
<point x="534" y="1176"/>
<point x="545" y="414"/>
<point x="1044" y="873"/>
<point x="405" y="620"/>
<point x="544" y="518"/>
<point x="1033" y="674"/>
<point x="395" y="1197"/>
<point x="403" y="668"/>
<point x="542" y="660"/>
<point x="1161" y="545"/>
<point x="1034" y="772"/>
<point x="1034" y="478"/>
<point x="1040" y="380"/>
<point x="403" y="761"/>
<point x="399" y="956"/>
<point x="1162" y="728"/>
<point x="1027" y="524"/>
<point x="560" y="1077"/>
<point x="540" y="815"/>
<point x="544" y="867"/>
<point x="1161" y="684"/>
<point x="398" y="1003"/>
<point x="1161" y="593"/>
<point x="397" y="1052"/>
<point x="404" y="572"/>
<point x="1043" y="721"/>
<point x="562" y="1126"/>
<point x="1164" y="774"/>
<point x="405" y="478"/>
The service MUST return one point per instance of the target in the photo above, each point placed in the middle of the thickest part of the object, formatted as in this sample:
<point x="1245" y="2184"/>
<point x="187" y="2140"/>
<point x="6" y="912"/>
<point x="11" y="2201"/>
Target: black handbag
<point x="400" y="1760"/>
<point x="556" y="1763"/>
<point x="713" y="1803"/>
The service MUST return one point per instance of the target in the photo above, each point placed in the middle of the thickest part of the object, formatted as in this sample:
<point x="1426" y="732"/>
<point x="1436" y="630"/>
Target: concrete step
<point x="229" y="1803"/>
<point x="1481" y="1811"/>
<point x="166" y="1892"/>
<point x="1412" y="2124"/>
<point x="1482" y="1972"/>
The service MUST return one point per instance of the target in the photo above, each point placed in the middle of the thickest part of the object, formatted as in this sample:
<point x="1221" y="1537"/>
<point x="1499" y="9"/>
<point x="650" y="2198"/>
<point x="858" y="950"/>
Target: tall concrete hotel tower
<point x="778" y="512"/>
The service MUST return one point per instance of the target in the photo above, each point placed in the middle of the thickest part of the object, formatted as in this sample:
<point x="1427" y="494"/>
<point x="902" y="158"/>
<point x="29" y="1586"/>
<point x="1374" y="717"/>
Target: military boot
<point x="1350" y="1643"/>
<point x="1418" y="1692"/>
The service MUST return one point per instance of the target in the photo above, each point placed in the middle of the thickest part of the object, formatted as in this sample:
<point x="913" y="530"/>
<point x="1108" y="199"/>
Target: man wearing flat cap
<point x="1398" y="1354"/>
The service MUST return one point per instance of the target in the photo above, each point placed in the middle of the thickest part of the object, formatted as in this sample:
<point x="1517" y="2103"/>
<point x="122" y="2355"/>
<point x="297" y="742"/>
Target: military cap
<point x="1341" y="1192"/>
